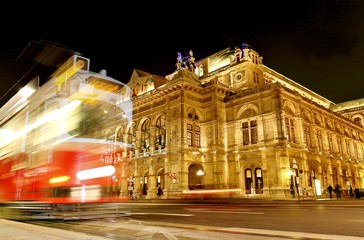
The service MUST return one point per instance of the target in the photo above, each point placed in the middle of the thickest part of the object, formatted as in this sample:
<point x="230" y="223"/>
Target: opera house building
<point x="229" y="126"/>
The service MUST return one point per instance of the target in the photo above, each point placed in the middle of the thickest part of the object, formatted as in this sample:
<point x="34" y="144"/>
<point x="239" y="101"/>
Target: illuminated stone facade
<point x="232" y="127"/>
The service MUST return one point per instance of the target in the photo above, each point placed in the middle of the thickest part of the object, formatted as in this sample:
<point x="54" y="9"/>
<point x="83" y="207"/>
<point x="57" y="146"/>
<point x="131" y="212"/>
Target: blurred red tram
<point x="57" y="142"/>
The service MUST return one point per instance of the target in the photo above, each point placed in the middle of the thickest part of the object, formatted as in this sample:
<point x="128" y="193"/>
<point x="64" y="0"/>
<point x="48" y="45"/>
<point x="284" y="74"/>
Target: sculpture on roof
<point x="186" y="62"/>
<point x="179" y="61"/>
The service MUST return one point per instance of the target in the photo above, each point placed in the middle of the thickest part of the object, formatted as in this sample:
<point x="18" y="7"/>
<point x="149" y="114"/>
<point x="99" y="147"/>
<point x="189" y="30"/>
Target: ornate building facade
<point x="229" y="126"/>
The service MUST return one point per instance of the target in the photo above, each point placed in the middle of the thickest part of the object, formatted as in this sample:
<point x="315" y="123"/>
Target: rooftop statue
<point x="186" y="62"/>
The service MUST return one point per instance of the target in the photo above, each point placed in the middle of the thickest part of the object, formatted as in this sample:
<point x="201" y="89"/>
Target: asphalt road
<point x="322" y="216"/>
<point x="213" y="219"/>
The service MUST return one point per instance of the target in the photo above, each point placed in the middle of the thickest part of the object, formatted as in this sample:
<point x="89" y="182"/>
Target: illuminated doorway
<point x="195" y="177"/>
<point x="258" y="181"/>
<point x="248" y="181"/>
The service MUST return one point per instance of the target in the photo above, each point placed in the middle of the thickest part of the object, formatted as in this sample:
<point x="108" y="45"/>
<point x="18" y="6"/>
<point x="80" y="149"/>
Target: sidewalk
<point x="12" y="230"/>
<point x="313" y="200"/>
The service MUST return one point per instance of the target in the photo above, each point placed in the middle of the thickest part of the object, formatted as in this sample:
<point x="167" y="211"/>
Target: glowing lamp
<point x="105" y="171"/>
<point x="59" y="179"/>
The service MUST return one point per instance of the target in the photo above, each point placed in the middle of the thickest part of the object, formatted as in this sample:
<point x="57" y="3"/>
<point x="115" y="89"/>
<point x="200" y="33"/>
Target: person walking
<point x="330" y="189"/>
<point x="160" y="191"/>
<point x="337" y="191"/>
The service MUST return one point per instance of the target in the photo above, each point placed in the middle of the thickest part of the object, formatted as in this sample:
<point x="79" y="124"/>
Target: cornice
<point x="175" y="86"/>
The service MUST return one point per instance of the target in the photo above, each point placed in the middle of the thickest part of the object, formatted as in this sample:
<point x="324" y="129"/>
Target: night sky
<point x="318" y="44"/>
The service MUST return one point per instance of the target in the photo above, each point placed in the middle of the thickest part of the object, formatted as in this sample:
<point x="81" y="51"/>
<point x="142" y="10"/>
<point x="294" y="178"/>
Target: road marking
<point x="166" y="214"/>
<point x="238" y="211"/>
<point x="218" y="211"/>
<point x="148" y="232"/>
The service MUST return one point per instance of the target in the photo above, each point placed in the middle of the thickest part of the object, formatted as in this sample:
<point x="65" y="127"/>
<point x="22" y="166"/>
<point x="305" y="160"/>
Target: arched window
<point x="358" y="121"/>
<point x="145" y="136"/>
<point x="119" y="135"/>
<point x="109" y="136"/>
<point x="160" y="133"/>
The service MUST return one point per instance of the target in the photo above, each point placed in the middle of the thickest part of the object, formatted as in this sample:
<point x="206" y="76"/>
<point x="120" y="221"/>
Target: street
<point x="339" y="217"/>
<point x="329" y="219"/>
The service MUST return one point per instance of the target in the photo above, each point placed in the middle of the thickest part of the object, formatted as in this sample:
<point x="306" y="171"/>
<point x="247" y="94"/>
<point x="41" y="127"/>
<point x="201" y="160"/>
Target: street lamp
<point x="200" y="173"/>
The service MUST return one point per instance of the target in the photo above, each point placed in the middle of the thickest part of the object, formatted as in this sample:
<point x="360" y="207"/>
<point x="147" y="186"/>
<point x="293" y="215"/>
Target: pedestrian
<point x="160" y="191"/>
<point x="134" y="195"/>
<point x="330" y="189"/>
<point x="350" y="191"/>
<point x="337" y="191"/>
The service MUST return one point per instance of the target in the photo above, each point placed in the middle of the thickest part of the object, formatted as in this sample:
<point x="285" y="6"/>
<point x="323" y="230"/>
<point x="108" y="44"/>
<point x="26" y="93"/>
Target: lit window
<point x="160" y="133"/>
<point x="193" y="135"/>
<point x="250" y="132"/>
<point x="290" y="130"/>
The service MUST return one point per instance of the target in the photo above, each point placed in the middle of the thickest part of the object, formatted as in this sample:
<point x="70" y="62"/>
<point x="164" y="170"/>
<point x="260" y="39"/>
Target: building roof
<point x="142" y="82"/>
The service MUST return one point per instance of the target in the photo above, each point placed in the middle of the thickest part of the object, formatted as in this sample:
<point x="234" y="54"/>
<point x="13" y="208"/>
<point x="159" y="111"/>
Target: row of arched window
<point x="316" y="139"/>
<point x="147" y="132"/>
